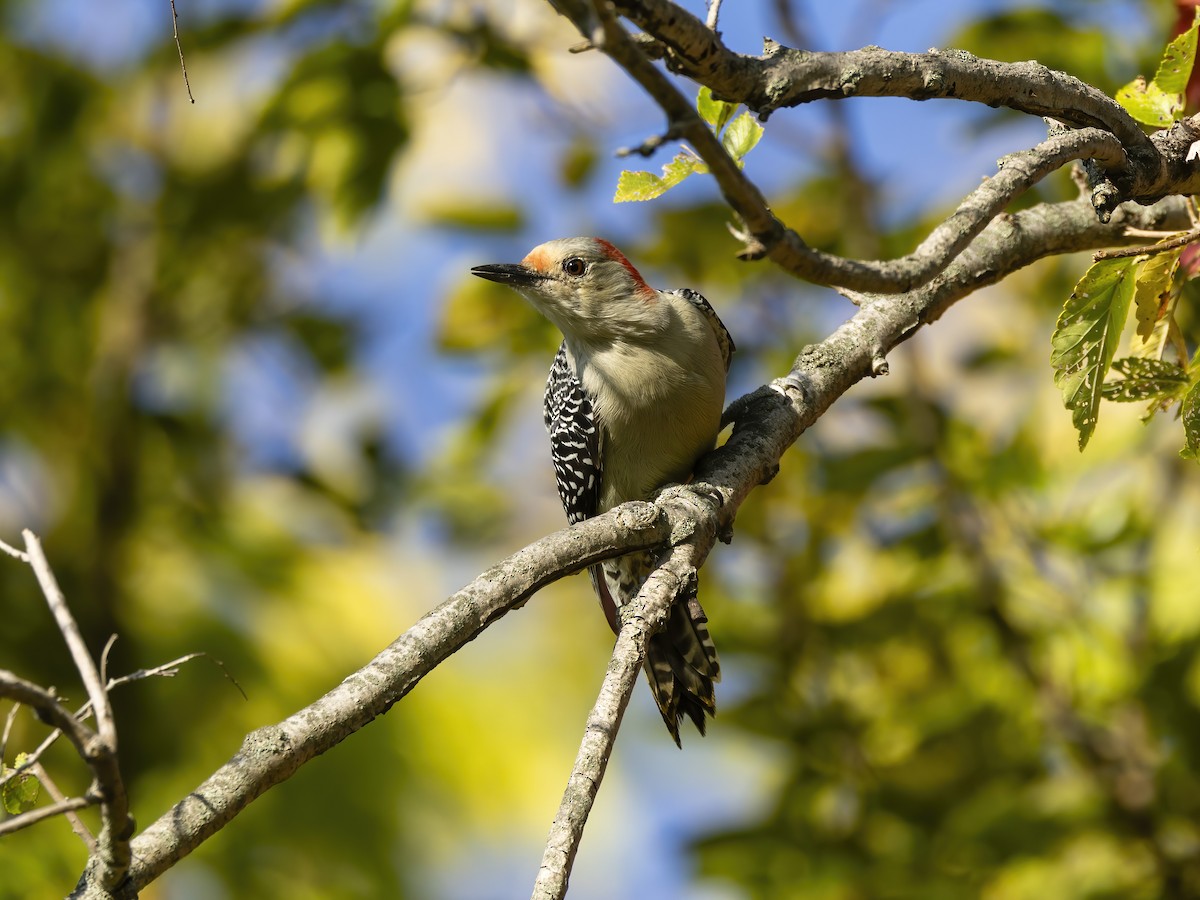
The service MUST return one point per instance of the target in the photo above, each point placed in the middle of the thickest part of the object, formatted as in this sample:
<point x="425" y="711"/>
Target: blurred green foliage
<point x="972" y="653"/>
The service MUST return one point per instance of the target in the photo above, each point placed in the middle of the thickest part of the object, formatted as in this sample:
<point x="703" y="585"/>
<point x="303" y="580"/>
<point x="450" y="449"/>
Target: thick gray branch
<point x="270" y="755"/>
<point x="784" y="77"/>
<point x="1135" y="167"/>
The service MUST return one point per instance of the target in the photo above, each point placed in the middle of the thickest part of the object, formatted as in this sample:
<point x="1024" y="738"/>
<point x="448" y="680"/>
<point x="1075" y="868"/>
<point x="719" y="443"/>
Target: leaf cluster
<point x="1090" y="327"/>
<point x="738" y="136"/>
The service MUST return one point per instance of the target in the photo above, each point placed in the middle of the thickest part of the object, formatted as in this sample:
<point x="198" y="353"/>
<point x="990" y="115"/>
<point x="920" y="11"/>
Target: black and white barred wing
<point x="574" y="440"/>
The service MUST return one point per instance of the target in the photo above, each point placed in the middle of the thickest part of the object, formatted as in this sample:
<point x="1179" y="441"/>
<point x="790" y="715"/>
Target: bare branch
<point x="714" y="13"/>
<point x="272" y="754"/>
<point x="599" y="736"/>
<point x="645" y="616"/>
<point x="32" y="758"/>
<point x="66" y="806"/>
<point x="785" y="77"/>
<point x="14" y="552"/>
<point x="108" y="645"/>
<point x="766" y="236"/>
<point x="179" y="47"/>
<point x="110" y="861"/>
<point x="49" y="709"/>
<point x="75" y="643"/>
<point x="1175" y="243"/>
<point x="8" y="724"/>
<point x="33" y="816"/>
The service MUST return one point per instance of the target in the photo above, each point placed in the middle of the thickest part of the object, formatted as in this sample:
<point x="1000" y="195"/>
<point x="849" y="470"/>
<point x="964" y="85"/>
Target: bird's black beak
<point x="512" y="274"/>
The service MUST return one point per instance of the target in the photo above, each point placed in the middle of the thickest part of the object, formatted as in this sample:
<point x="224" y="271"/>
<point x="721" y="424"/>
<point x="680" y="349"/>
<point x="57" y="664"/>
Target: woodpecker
<point x="633" y="400"/>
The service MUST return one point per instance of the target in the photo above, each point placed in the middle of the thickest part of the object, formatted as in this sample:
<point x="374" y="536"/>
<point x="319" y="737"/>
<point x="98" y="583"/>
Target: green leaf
<point x="1190" y="415"/>
<point x="1154" y="303"/>
<point x="1176" y="66"/>
<point x="1085" y="338"/>
<point x="647" y="185"/>
<point x="1149" y="104"/>
<point x="715" y="112"/>
<point x="741" y="136"/>
<point x="1161" y="101"/>
<point x="20" y="794"/>
<point x="1145" y="379"/>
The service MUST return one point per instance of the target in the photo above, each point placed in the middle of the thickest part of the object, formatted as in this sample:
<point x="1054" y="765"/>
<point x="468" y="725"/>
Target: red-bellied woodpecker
<point x="634" y="398"/>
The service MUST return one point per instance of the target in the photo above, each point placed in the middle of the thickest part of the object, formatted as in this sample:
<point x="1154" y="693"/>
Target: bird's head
<point x="585" y="286"/>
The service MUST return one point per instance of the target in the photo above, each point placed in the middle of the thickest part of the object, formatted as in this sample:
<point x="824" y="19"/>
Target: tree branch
<point x="599" y="737"/>
<point x="49" y="710"/>
<point x="763" y="233"/>
<point x="65" y="806"/>
<point x="272" y="754"/>
<point x="110" y="857"/>
<point x="695" y="533"/>
<point x="784" y="77"/>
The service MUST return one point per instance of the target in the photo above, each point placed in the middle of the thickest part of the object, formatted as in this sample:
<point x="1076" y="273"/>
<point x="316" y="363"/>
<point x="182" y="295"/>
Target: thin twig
<point x="179" y="47"/>
<point x="714" y="11"/>
<point x="8" y="724"/>
<point x="1149" y="233"/>
<point x="24" y="820"/>
<point x="166" y="670"/>
<point x="31" y="758"/>
<point x="75" y="643"/>
<point x="1149" y="249"/>
<point x="650" y="145"/>
<point x="14" y="552"/>
<point x="40" y="773"/>
<point x="51" y="711"/>
<point x="112" y="856"/>
<point x="108" y="645"/>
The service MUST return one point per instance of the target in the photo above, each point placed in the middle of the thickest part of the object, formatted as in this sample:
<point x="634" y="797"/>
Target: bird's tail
<point x="681" y="661"/>
<point x="681" y="665"/>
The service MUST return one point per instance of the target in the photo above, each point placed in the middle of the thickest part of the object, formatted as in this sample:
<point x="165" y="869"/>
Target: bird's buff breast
<point x="669" y="416"/>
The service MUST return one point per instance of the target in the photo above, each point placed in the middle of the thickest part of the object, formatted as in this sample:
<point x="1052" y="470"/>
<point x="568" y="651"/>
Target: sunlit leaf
<point x="741" y="135"/>
<point x="1149" y="103"/>
<point x="1153" y="303"/>
<point x="1144" y="379"/>
<point x="19" y="794"/>
<point x="1085" y="338"/>
<point x="1178" y="59"/>
<point x="1190" y="414"/>
<point x="647" y="185"/>
<point x="715" y="112"/>
<point x="1160" y="101"/>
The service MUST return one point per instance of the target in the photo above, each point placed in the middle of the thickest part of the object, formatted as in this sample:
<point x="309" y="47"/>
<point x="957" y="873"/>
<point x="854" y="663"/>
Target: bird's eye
<point x="574" y="266"/>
